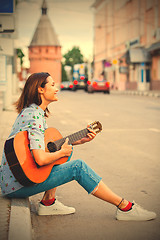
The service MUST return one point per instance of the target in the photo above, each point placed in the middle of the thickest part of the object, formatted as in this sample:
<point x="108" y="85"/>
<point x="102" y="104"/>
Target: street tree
<point x="64" y="74"/>
<point x="20" y="55"/>
<point x="73" y="56"/>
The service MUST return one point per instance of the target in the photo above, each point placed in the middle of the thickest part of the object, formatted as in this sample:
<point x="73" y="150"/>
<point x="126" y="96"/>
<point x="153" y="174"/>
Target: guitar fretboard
<point x="72" y="138"/>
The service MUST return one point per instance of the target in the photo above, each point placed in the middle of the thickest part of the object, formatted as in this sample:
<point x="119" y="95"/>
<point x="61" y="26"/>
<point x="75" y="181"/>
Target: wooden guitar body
<point x="21" y="161"/>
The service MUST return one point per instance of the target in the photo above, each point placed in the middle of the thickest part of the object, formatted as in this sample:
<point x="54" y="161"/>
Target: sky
<point x="71" y="19"/>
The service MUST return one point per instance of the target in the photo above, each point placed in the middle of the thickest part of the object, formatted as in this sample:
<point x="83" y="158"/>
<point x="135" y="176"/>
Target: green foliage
<point x="20" y="55"/>
<point x="73" y="56"/>
<point x="86" y="70"/>
<point x="64" y="75"/>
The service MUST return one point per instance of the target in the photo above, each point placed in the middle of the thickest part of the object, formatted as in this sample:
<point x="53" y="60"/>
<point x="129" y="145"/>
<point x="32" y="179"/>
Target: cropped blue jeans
<point x="72" y="170"/>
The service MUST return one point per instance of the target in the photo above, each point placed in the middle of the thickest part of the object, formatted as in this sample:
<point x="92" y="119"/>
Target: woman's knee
<point x="79" y="162"/>
<point x="78" y="168"/>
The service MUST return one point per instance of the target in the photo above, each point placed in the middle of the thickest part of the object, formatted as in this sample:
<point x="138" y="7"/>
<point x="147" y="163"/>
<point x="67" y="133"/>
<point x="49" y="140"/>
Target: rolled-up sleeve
<point x="36" y="132"/>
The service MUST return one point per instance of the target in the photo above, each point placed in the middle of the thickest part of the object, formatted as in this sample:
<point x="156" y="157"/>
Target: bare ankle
<point x="48" y="195"/>
<point x="123" y="203"/>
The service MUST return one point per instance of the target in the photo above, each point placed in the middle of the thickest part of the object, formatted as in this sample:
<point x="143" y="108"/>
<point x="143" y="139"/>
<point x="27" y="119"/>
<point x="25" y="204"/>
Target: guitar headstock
<point x="96" y="126"/>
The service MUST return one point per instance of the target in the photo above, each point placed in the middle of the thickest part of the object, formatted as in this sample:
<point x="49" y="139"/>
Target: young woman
<point x="32" y="106"/>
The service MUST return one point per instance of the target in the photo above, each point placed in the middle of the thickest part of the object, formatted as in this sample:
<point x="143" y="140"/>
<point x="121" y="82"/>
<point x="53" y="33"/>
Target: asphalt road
<point x="127" y="156"/>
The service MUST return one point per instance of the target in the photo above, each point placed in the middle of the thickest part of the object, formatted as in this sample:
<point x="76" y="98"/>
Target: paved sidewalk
<point x="5" y="206"/>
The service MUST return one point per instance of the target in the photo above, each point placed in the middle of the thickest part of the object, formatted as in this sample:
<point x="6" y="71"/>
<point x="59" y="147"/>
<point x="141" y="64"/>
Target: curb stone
<point x="5" y="204"/>
<point x="20" y="220"/>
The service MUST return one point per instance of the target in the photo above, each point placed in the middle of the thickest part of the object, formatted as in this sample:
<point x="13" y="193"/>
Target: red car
<point x="97" y="85"/>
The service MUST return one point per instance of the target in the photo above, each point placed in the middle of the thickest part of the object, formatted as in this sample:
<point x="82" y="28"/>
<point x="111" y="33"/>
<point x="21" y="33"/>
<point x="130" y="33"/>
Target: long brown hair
<point x="30" y="92"/>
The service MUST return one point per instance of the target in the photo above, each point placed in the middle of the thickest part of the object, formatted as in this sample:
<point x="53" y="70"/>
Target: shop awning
<point x="137" y="55"/>
<point x="154" y="46"/>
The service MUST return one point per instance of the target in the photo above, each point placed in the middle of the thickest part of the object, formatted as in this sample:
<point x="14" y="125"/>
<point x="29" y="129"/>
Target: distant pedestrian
<point x="32" y="106"/>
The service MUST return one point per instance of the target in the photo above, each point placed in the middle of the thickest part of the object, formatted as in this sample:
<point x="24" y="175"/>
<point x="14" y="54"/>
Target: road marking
<point x="88" y="121"/>
<point x="154" y="130"/>
<point x="67" y="111"/>
<point x="128" y="129"/>
<point x="106" y="114"/>
<point x="63" y="122"/>
<point x="123" y="129"/>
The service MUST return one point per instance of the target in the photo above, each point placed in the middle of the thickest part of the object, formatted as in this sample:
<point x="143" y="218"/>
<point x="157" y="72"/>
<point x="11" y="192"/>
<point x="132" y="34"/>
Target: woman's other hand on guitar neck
<point x="90" y="136"/>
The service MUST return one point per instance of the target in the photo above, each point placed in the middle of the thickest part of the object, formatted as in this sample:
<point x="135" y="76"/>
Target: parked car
<point x="66" y="85"/>
<point x="98" y="85"/>
<point x="80" y="83"/>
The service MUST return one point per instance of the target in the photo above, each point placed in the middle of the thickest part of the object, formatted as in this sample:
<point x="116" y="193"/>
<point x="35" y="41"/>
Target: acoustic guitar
<point x="20" y="158"/>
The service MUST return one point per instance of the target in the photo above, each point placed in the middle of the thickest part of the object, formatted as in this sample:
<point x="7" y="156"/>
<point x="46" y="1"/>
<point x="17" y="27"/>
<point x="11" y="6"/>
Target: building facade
<point x="45" y="50"/>
<point x="127" y="43"/>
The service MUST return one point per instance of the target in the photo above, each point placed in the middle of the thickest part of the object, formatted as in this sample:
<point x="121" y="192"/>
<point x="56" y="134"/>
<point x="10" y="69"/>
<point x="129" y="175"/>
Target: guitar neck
<point x="72" y="138"/>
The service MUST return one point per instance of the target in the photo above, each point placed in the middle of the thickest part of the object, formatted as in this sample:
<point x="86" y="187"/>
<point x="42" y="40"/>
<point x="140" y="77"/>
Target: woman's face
<point x="49" y="92"/>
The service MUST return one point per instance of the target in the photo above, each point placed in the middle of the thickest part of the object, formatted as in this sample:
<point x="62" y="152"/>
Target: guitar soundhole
<point x="52" y="147"/>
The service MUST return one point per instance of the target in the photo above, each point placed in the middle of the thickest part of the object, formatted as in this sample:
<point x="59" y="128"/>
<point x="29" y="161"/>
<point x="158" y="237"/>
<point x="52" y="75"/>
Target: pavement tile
<point x="5" y="206"/>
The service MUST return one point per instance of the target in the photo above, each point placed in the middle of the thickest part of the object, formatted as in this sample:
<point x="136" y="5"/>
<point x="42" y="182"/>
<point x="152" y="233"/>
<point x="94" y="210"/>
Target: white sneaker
<point x="137" y="213"/>
<point x="55" y="209"/>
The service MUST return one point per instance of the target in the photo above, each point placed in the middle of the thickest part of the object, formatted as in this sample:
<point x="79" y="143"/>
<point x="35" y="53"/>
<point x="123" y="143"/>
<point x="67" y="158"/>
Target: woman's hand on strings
<point x="90" y="136"/>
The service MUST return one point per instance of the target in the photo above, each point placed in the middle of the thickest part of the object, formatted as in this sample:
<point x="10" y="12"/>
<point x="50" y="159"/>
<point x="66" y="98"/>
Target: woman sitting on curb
<point x="32" y="106"/>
